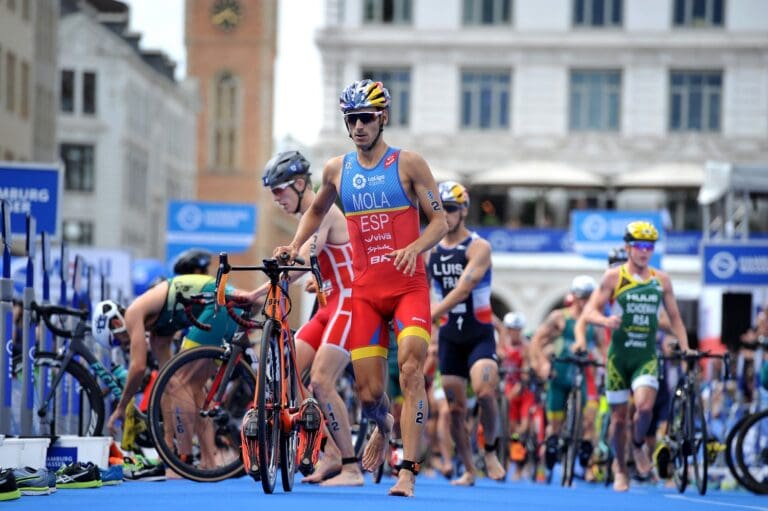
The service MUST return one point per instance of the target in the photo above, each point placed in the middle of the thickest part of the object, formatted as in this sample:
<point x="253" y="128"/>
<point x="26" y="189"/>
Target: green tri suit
<point x="632" y="360"/>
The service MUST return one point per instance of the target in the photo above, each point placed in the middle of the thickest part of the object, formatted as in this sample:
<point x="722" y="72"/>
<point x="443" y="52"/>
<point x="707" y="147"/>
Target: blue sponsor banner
<point x="595" y="232"/>
<point x="526" y="240"/>
<point x="35" y="189"/>
<point x="210" y="226"/>
<point x="735" y="264"/>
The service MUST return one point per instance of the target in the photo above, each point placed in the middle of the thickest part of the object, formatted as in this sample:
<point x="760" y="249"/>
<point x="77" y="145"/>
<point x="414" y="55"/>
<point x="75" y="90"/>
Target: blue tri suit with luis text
<point x="473" y="317"/>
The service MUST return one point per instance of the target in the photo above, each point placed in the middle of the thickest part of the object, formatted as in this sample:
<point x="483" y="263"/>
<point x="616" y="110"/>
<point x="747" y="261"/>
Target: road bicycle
<point x="747" y="442"/>
<point x="270" y="431"/>
<point x="571" y="432"/>
<point x="687" y="437"/>
<point x="86" y="402"/>
<point x="201" y="396"/>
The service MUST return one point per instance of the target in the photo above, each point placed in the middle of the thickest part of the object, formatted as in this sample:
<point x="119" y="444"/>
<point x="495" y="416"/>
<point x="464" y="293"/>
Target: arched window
<point x="225" y="120"/>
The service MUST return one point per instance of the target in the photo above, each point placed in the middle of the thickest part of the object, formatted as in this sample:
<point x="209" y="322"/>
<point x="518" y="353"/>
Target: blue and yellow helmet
<point x="364" y="94"/>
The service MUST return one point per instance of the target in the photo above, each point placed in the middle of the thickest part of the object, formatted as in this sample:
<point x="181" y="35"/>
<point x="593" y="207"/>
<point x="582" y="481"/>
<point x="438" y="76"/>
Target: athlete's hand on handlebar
<point x="280" y="253"/>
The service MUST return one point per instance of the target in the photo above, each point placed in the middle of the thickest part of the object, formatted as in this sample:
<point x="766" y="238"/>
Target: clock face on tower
<point x="226" y="14"/>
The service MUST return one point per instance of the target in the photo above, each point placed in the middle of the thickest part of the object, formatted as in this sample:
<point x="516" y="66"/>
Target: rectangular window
<point x="595" y="100"/>
<point x="25" y="10"/>
<point x="487" y="12"/>
<point x="89" y="93"/>
<point x="24" y="109"/>
<point x="387" y="11"/>
<point x="10" y="81"/>
<point x="398" y="83"/>
<point x="695" y="99"/>
<point x="485" y="100"/>
<point x="67" y="102"/>
<point x="597" y="13"/>
<point x="12" y="5"/>
<point x="698" y="13"/>
<point x="78" y="167"/>
<point x="78" y="232"/>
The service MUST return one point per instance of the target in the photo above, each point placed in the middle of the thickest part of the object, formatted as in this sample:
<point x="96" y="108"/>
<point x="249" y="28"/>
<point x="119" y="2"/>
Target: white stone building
<point x="620" y="94"/>
<point x="126" y="133"/>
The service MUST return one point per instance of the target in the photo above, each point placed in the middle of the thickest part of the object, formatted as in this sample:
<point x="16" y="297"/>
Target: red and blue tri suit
<point x="381" y="218"/>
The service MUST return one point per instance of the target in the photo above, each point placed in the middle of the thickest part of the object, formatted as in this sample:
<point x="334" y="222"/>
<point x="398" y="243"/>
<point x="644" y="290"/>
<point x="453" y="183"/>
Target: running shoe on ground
<point x="51" y="481"/>
<point x="112" y="475"/>
<point x="8" y="488"/>
<point x="139" y="468"/>
<point x="31" y="481"/>
<point x="78" y="475"/>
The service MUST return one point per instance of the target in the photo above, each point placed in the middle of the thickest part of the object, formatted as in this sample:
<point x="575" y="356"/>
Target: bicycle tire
<point x="573" y="426"/>
<point x="268" y="407"/>
<point x="502" y="450"/>
<point x="730" y="450"/>
<point x="746" y="432"/>
<point x="173" y="393"/>
<point x="289" y="440"/>
<point x="677" y="428"/>
<point x="699" y="444"/>
<point x="91" y="419"/>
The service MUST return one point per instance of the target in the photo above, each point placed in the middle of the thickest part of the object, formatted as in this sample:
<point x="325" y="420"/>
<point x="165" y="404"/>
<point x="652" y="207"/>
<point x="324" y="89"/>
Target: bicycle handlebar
<point x="205" y="299"/>
<point x="699" y="355"/>
<point x="46" y="311"/>
<point x="580" y="359"/>
<point x="272" y="268"/>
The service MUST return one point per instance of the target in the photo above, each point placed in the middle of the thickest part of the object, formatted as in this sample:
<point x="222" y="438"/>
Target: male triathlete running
<point x="638" y="291"/>
<point x="460" y="267"/>
<point x="381" y="190"/>
<point x="322" y="344"/>
<point x="559" y="329"/>
<point x="514" y="348"/>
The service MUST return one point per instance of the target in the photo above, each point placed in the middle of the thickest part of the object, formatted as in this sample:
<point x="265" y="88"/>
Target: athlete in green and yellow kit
<point x="637" y="292"/>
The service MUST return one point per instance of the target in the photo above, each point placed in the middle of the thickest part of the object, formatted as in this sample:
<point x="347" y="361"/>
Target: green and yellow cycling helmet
<point x="641" y="231"/>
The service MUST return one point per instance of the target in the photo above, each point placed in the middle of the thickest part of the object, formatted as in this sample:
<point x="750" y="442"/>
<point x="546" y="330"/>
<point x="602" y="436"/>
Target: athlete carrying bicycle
<point x="558" y="331"/>
<point x="381" y="190"/>
<point x="638" y="291"/>
<point x="322" y="344"/>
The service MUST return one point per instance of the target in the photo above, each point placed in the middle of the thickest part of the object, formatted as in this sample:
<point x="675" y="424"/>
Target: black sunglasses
<point x="451" y="208"/>
<point x="365" y="117"/>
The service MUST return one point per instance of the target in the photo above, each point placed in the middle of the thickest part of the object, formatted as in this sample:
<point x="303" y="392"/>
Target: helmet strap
<point x="300" y="194"/>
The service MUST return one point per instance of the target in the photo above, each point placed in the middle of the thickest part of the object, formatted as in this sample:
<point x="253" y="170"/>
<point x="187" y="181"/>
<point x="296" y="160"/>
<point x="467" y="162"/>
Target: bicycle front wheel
<point x="196" y="438"/>
<point x="678" y="443"/>
<point x="502" y="451"/>
<point x="81" y="411"/>
<point x="573" y="434"/>
<point x="268" y="406"/>
<point x="730" y="451"/>
<point x="752" y="452"/>
<point x="698" y="428"/>
<point x="289" y="440"/>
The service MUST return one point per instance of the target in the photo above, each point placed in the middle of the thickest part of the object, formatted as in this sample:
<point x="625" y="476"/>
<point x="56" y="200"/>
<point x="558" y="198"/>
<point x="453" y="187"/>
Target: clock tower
<point x="231" y="47"/>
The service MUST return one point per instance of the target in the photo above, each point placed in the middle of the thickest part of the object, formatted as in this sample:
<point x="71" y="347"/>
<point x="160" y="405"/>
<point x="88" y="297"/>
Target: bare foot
<point x="466" y="479"/>
<point x="493" y="467"/>
<point x="350" y="475"/>
<point x="642" y="462"/>
<point x="327" y="466"/>
<point x="620" y="481"/>
<point x="406" y="481"/>
<point x="376" y="450"/>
